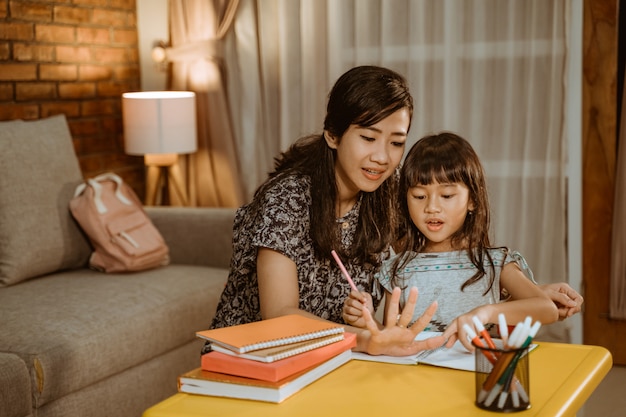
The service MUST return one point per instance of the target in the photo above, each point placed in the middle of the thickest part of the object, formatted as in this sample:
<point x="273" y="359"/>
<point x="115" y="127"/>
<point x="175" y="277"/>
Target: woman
<point x="332" y="191"/>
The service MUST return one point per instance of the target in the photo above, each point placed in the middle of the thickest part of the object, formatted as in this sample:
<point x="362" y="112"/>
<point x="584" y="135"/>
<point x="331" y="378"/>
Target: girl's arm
<point x="567" y="300"/>
<point x="527" y="299"/>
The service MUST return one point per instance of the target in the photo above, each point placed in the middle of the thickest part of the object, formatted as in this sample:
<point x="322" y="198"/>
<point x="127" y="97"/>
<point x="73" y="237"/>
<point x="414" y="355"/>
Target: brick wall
<point x="74" y="57"/>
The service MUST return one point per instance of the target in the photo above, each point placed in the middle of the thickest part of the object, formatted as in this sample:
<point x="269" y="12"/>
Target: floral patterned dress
<point x="282" y="223"/>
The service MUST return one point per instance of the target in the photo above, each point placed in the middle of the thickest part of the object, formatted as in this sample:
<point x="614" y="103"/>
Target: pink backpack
<point x="121" y="233"/>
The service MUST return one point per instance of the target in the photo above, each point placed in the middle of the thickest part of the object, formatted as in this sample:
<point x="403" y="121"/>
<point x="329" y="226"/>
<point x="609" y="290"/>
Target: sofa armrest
<point x="15" y="389"/>
<point x="196" y="236"/>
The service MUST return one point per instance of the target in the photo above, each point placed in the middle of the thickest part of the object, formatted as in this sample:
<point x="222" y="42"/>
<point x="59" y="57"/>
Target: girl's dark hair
<point x="362" y="96"/>
<point x="446" y="158"/>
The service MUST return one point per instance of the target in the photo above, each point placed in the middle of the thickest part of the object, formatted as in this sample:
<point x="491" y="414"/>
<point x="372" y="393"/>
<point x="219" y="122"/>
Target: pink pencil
<point x="343" y="270"/>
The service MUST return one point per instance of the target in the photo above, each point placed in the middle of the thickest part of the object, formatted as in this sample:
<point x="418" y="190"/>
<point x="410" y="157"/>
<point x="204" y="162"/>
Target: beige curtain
<point x="491" y="70"/>
<point x="197" y="28"/>
<point x="617" y="304"/>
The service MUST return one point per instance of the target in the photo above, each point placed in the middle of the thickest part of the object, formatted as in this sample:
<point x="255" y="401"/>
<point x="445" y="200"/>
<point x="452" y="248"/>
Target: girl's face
<point x="367" y="156"/>
<point x="438" y="211"/>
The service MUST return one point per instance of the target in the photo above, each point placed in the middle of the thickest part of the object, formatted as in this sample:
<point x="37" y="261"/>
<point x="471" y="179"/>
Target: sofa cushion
<point x="38" y="174"/>
<point x="15" y="390"/>
<point x="76" y="328"/>
<point x="129" y="393"/>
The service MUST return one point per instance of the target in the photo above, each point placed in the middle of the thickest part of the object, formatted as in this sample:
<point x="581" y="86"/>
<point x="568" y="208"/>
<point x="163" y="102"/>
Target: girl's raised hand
<point x="353" y="307"/>
<point x="395" y="338"/>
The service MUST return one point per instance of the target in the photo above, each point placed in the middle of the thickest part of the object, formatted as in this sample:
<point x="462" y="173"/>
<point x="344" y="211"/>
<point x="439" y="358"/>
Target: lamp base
<point x="160" y="159"/>
<point x="162" y="171"/>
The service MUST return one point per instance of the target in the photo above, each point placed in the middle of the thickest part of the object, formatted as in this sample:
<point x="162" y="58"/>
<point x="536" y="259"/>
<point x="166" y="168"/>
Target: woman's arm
<point x="279" y="292"/>
<point x="279" y="295"/>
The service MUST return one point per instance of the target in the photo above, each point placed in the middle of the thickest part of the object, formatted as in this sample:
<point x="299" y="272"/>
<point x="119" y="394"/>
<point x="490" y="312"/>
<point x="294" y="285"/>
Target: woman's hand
<point x="353" y="307"/>
<point x="567" y="300"/>
<point x="395" y="338"/>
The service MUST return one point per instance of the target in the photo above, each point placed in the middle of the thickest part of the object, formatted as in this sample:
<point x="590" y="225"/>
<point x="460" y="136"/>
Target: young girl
<point x="445" y="251"/>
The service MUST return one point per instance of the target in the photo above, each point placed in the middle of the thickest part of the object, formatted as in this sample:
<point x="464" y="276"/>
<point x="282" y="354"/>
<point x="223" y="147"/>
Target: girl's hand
<point x="353" y="307"/>
<point x="455" y="330"/>
<point x="395" y="339"/>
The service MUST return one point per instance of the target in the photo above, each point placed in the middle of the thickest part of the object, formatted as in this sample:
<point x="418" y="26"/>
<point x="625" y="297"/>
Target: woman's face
<point x="367" y="156"/>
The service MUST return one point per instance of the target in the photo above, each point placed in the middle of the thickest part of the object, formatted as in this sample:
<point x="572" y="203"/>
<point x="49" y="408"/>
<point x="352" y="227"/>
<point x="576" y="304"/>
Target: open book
<point x="457" y="357"/>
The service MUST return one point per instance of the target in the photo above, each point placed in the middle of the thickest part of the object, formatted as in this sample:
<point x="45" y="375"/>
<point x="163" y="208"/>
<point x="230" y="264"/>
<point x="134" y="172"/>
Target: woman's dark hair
<point x="446" y="158"/>
<point x="362" y="96"/>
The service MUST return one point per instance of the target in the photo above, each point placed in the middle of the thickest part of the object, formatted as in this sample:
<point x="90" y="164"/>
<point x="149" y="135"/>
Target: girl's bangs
<point x="441" y="172"/>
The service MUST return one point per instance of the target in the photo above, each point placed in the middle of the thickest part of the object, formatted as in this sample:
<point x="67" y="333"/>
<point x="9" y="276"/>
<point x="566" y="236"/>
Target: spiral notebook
<point x="277" y="353"/>
<point x="279" y="331"/>
<point x="235" y="364"/>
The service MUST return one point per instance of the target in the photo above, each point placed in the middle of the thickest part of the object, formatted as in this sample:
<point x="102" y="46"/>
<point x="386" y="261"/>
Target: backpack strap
<point x="97" y="188"/>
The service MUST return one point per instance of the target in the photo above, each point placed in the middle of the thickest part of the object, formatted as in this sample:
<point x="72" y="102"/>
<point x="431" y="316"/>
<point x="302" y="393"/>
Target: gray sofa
<point x="76" y="342"/>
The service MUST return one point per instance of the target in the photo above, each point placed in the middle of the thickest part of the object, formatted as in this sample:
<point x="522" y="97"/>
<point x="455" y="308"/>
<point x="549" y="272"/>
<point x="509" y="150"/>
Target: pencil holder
<point x="502" y="382"/>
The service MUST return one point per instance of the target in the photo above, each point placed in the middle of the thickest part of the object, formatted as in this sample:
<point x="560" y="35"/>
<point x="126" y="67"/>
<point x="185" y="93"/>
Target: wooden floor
<point x="609" y="399"/>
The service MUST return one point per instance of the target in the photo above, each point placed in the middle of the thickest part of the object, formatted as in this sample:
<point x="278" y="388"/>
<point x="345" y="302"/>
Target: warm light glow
<point x="204" y="76"/>
<point x="159" y="122"/>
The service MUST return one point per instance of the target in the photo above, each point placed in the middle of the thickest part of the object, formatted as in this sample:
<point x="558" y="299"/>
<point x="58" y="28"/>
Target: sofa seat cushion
<point x="75" y="328"/>
<point x="39" y="172"/>
<point x="15" y="400"/>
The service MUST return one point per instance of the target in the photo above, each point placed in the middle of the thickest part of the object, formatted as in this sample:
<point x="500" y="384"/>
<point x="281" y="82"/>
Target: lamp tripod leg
<point x="153" y="182"/>
<point x="177" y="183"/>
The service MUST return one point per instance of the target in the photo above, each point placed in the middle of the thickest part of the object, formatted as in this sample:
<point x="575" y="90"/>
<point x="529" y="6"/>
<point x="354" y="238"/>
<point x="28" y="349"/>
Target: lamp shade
<point x="159" y="122"/>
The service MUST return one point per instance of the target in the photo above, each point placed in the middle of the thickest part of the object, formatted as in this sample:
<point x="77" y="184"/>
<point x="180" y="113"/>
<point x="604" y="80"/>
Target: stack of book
<point x="268" y="360"/>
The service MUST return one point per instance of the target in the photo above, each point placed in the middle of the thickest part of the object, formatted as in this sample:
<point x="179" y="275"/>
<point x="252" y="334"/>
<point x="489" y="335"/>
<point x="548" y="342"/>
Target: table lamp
<point x="160" y="125"/>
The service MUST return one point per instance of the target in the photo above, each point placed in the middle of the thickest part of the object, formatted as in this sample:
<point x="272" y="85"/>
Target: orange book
<point x="274" y="371"/>
<point x="217" y="384"/>
<point x="269" y="333"/>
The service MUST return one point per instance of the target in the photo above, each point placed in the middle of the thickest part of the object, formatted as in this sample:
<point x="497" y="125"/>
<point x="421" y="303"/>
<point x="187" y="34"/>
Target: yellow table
<point x="562" y="377"/>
